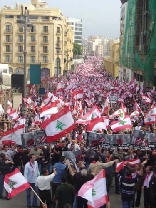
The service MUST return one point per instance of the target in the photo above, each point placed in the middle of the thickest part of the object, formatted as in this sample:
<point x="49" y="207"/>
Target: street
<point x="20" y="201"/>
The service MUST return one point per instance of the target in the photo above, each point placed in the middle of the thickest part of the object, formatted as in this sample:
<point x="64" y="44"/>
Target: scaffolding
<point x="139" y="49"/>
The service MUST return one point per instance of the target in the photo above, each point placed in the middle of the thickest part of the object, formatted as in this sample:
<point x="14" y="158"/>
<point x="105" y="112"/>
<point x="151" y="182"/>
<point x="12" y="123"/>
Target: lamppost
<point x="58" y="59"/>
<point x="24" y="23"/>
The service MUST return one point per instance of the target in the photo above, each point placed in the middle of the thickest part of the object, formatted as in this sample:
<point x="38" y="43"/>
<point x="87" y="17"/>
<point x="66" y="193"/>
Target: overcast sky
<point x="100" y="17"/>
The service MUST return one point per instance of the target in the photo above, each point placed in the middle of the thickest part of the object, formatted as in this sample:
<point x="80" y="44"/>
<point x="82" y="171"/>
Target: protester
<point x="31" y="172"/>
<point x="43" y="184"/>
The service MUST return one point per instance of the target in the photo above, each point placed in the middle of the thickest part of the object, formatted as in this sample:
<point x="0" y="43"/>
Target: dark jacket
<point x="65" y="194"/>
<point x="4" y="168"/>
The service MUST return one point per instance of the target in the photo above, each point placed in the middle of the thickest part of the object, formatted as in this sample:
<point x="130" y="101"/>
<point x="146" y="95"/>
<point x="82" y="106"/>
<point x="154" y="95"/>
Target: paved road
<point x="20" y="201"/>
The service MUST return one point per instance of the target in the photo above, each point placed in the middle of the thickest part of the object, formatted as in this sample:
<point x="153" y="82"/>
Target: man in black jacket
<point x="4" y="169"/>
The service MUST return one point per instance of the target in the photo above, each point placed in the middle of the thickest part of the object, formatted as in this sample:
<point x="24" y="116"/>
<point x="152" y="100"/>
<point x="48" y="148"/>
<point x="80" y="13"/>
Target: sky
<point x="100" y="17"/>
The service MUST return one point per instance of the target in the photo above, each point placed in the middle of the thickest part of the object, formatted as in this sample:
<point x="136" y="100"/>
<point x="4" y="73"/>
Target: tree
<point x="77" y="49"/>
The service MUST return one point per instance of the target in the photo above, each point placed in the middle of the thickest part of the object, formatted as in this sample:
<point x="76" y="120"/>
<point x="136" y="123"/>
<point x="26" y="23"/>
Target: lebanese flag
<point x="146" y="99"/>
<point x="121" y="125"/>
<point x="58" y="124"/>
<point x="47" y="100"/>
<point x="78" y="94"/>
<point x="137" y="107"/>
<point x="106" y="106"/>
<point x="60" y="87"/>
<point x="151" y="112"/>
<point x="135" y="113"/>
<point x="48" y="110"/>
<point x="120" y="113"/>
<point x="120" y="165"/>
<point x="149" y="120"/>
<point x="95" y="191"/>
<point x="37" y="119"/>
<point x="15" y="183"/>
<point x="12" y="136"/>
<point x="96" y="124"/>
<point x="93" y="113"/>
<point x="13" y="115"/>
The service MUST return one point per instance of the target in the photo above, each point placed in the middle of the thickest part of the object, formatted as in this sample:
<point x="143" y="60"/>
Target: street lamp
<point x="58" y="59"/>
<point x="23" y="22"/>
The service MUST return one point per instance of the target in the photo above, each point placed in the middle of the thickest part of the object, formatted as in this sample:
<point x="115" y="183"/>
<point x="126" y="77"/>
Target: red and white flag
<point x="48" y="110"/>
<point x="78" y="94"/>
<point x="13" y="115"/>
<point x="149" y="120"/>
<point x="96" y="124"/>
<point x="146" y="99"/>
<point x="60" y="87"/>
<point x="95" y="191"/>
<point x="120" y="165"/>
<point x="93" y="113"/>
<point x="137" y="107"/>
<point x="58" y="124"/>
<point x="15" y="183"/>
<point x="122" y="125"/>
<point x="135" y="113"/>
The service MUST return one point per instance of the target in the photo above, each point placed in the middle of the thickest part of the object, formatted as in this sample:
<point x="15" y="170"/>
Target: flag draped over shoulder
<point x="95" y="191"/>
<point x="15" y="183"/>
<point x="120" y="165"/>
<point x="58" y="124"/>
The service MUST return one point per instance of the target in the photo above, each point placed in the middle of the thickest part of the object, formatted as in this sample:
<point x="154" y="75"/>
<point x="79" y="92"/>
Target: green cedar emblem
<point x="93" y="192"/>
<point x="122" y="122"/>
<point x="11" y="184"/>
<point x="60" y="125"/>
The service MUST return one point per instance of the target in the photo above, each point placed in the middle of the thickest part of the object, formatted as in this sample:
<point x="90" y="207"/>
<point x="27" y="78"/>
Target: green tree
<point x="77" y="49"/>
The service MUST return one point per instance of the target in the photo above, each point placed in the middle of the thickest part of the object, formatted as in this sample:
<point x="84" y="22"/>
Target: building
<point x="111" y="63"/>
<point x="49" y="28"/>
<point x="138" y="46"/>
<point x="76" y="25"/>
<point x="99" y="50"/>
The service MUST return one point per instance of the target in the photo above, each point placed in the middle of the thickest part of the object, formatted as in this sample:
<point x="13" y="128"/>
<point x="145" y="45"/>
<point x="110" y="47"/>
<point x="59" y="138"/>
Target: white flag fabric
<point x="15" y="183"/>
<point x="95" y="191"/>
<point x="58" y="124"/>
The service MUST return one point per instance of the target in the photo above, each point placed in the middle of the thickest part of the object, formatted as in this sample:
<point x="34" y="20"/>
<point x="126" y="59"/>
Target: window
<point x="78" y="33"/>
<point x="20" y="48"/>
<point x="58" y="39"/>
<point x="32" y="59"/>
<point x="20" y="59"/>
<point x="9" y="16"/>
<point x="33" y="28"/>
<point x="58" y="30"/>
<point x="45" y="59"/>
<point x="33" y="17"/>
<point x="33" y="38"/>
<point x="7" y="48"/>
<point x="45" y="39"/>
<point x="8" y="38"/>
<point x="20" y="29"/>
<point x="79" y="25"/>
<point x="7" y="58"/>
<point x="45" y="17"/>
<point x="45" y="28"/>
<point x="78" y="37"/>
<point x="20" y="38"/>
<point x="8" y="28"/>
<point x="33" y="49"/>
<point x="45" y="49"/>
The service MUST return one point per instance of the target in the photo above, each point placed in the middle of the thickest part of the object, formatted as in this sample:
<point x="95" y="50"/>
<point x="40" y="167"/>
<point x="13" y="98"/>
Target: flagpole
<point x="37" y="195"/>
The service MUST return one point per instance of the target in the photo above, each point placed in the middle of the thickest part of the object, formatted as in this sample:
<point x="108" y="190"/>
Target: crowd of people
<point x="55" y="177"/>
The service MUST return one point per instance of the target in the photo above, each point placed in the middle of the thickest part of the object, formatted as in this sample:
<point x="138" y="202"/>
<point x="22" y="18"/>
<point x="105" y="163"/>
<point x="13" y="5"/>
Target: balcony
<point x="44" y="62"/>
<point x="9" y="51"/>
<point x="45" y="42"/>
<point x="8" y="31"/>
<point x="58" y="33"/>
<point x="8" y="42"/>
<point x="45" y="51"/>
<point x="20" y="52"/>
<point x="45" y="32"/>
<point x="32" y="42"/>
<point x="32" y="52"/>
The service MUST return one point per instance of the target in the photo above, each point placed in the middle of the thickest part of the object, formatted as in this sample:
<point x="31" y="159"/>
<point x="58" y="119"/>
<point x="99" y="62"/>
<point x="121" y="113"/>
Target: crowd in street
<point x="91" y="94"/>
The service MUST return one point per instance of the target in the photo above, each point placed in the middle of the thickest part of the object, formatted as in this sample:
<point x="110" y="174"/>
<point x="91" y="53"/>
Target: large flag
<point x="95" y="191"/>
<point x="121" y="125"/>
<point x="58" y="124"/>
<point x="13" y="115"/>
<point x="15" y="183"/>
<point x="120" y="165"/>
<point x="96" y="124"/>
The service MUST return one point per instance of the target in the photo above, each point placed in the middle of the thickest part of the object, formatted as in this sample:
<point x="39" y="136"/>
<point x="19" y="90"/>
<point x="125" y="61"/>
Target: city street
<point x="20" y="201"/>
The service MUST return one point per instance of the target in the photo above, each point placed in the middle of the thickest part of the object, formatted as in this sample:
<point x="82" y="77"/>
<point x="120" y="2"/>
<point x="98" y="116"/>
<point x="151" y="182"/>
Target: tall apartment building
<point x="76" y="25"/>
<point x="49" y="28"/>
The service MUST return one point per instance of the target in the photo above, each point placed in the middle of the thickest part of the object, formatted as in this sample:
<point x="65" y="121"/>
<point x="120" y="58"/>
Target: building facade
<point x="49" y="28"/>
<point x="111" y="63"/>
<point x="76" y="25"/>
